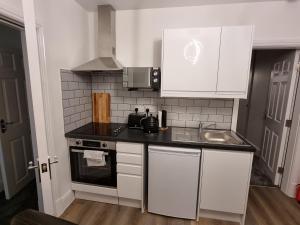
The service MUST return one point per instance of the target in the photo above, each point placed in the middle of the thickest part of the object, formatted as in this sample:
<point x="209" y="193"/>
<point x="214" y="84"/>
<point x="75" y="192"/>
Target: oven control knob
<point x="78" y="142"/>
<point x="104" y="145"/>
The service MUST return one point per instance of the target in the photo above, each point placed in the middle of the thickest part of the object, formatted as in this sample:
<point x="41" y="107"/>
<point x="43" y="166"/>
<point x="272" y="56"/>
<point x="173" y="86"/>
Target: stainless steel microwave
<point x="141" y="77"/>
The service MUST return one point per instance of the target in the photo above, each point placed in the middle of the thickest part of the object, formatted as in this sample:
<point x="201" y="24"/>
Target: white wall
<point x="139" y="31"/>
<point x="66" y="31"/>
<point x="8" y="6"/>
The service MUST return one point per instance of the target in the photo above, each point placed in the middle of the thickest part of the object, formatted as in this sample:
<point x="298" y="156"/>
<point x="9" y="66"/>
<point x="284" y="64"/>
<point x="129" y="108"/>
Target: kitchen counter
<point x="162" y="138"/>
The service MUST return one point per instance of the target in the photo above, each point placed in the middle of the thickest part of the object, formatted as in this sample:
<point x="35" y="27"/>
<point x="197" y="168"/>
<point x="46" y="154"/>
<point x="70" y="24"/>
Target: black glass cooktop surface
<point x="100" y="129"/>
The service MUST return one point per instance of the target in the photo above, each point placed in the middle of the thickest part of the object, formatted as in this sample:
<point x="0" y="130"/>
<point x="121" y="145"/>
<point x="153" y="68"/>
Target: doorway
<point x="262" y="118"/>
<point x="18" y="190"/>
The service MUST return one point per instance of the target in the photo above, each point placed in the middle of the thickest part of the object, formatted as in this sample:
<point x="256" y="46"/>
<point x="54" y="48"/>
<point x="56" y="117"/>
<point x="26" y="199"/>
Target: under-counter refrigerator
<point x="173" y="181"/>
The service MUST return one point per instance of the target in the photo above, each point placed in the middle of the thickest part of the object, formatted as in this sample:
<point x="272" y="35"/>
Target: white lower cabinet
<point x="130" y="170"/>
<point x="130" y="186"/>
<point x="225" y="178"/>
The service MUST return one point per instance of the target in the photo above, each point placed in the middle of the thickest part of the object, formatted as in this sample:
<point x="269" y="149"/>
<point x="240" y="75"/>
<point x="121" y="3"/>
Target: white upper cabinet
<point x="206" y="62"/>
<point x="235" y="59"/>
<point x="190" y="59"/>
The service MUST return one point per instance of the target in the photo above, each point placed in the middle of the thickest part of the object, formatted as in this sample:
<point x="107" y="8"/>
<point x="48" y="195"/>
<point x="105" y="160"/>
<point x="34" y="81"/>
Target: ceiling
<point x="90" y="5"/>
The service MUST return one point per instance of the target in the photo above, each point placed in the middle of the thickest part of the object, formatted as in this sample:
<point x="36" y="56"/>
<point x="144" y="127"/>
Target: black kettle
<point x="149" y="124"/>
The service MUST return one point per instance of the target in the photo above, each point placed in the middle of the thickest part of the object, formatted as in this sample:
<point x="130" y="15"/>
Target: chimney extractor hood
<point x="106" y="43"/>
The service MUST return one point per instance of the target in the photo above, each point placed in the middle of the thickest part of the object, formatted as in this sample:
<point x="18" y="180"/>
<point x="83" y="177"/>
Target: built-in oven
<point x="82" y="172"/>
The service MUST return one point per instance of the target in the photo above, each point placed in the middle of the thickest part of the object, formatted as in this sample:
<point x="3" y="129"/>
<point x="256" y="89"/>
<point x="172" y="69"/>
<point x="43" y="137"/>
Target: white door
<point x="190" y="59"/>
<point x="276" y="116"/>
<point x="36" y="66"/>
<point x="15" y="147"/>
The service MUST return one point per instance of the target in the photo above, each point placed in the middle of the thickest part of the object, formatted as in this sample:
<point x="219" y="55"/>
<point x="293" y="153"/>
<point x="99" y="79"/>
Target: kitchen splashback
<point x="182" y="112"/>
<point x="76" y="99"/>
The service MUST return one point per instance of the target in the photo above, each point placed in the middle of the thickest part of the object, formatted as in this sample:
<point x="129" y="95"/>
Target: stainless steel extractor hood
<point x="106" y="60"/>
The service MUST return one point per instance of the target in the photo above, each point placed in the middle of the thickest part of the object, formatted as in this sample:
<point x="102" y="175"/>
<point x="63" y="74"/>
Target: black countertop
<point x="138" y="136"/>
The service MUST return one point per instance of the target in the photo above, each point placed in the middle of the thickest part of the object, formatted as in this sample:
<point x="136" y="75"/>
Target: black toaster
<point x="134" y="119"/>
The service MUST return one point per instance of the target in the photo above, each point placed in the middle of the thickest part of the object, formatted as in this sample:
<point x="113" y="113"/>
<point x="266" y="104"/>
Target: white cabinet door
<point x="130" y="186"/>
<point x="190" y="61"/>
<point x="225" y="180"/>
<point x="132" y="148"/>
<point x="235" y="58"/>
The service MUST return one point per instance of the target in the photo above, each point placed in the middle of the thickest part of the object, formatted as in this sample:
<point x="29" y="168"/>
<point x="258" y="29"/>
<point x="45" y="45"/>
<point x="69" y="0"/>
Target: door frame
<point x="35" y="87"/>
<point x="290" y="104"/>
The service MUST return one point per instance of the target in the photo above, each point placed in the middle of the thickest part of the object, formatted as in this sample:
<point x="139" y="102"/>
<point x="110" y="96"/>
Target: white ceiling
<point x="145" y="4"/>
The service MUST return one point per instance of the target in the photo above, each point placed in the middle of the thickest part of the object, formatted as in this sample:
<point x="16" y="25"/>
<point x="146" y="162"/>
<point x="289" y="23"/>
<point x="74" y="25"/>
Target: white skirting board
<point x="107" y="199"/>
<point x="62" y="203"/>
<point x="93" y="189"/>
<point x="221" y="216"/>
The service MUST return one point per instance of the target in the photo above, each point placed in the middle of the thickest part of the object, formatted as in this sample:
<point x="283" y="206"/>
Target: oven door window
<point x="98" y="175"/>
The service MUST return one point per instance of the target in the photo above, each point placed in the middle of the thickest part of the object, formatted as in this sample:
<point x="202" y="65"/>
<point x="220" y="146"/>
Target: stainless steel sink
<point x="220" y="136"/>
<point x="206" y="136"/>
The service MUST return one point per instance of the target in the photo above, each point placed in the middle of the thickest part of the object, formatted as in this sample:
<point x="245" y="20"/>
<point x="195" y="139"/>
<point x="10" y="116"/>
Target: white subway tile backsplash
<point x="229" y="103"/>
<point x="150" y="94"/>
<point x="171" y="101"/>
<point x="184" y="112"/>
<point x="123" y="93"/>
<point x="75" y="117"/>
<point x="178" y="123"/>
<point x="74" y="101"/>
<point x="201" y="102"/>
<point x="172" y="116"/>
<point x="67" y="94"/>
<point x="73" y="85"/>
<point x="216" y="118"/>
<point x="103" y="86"/>
<point x="224" y="111"/>
<point x="194" y="124"/>
<point x="64" y="86"/>
<point x="185" y="116"/>
<point x="66" y="75"/>
<point x="136" y="94"/>
<point x="186" y="102"/>
<point x="217" y="103"/>
<point x="193" y="109"/>
<point x="77" y="97"/>
<point x="130" y="100"/>
<point x="123" y="107"/>
<point x="66" y="103"/>
<point x="200" y="117"/>
<point x="227" y="119"/>
<point x="117" y="99"/>
<point x="117" y="114"/>
<point x="78" y="93"/>
<point x="208" y="111"/>
<point x="179" y="109"/>
<point x="144" y="101"/>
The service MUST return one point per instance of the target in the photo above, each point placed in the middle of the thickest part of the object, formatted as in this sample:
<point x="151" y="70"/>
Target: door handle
<point x="3" y="125"/>
<point x="55" y="160"/>
<point x="31" y="166"/>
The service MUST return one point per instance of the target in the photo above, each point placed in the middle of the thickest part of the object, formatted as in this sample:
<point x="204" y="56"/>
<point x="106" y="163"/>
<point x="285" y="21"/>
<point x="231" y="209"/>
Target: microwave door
<point x="139" y="77"/>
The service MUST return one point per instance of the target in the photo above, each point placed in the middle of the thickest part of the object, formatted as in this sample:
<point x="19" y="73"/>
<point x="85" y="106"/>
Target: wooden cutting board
<point x="101" y="107"/>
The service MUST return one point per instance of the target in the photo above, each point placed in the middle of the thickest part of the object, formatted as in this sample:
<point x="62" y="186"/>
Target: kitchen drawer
<point x="129" y="158"/>
<point x="133" y="148"/>
<point x="129" y="169"/>
<point x="130" y="186"/>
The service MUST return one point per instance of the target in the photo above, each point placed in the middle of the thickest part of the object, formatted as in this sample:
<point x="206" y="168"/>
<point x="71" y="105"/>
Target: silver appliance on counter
<point x="141" y="77"/>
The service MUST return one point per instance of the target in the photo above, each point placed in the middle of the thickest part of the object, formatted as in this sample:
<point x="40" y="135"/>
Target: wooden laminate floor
<point x="266" y="206"/>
